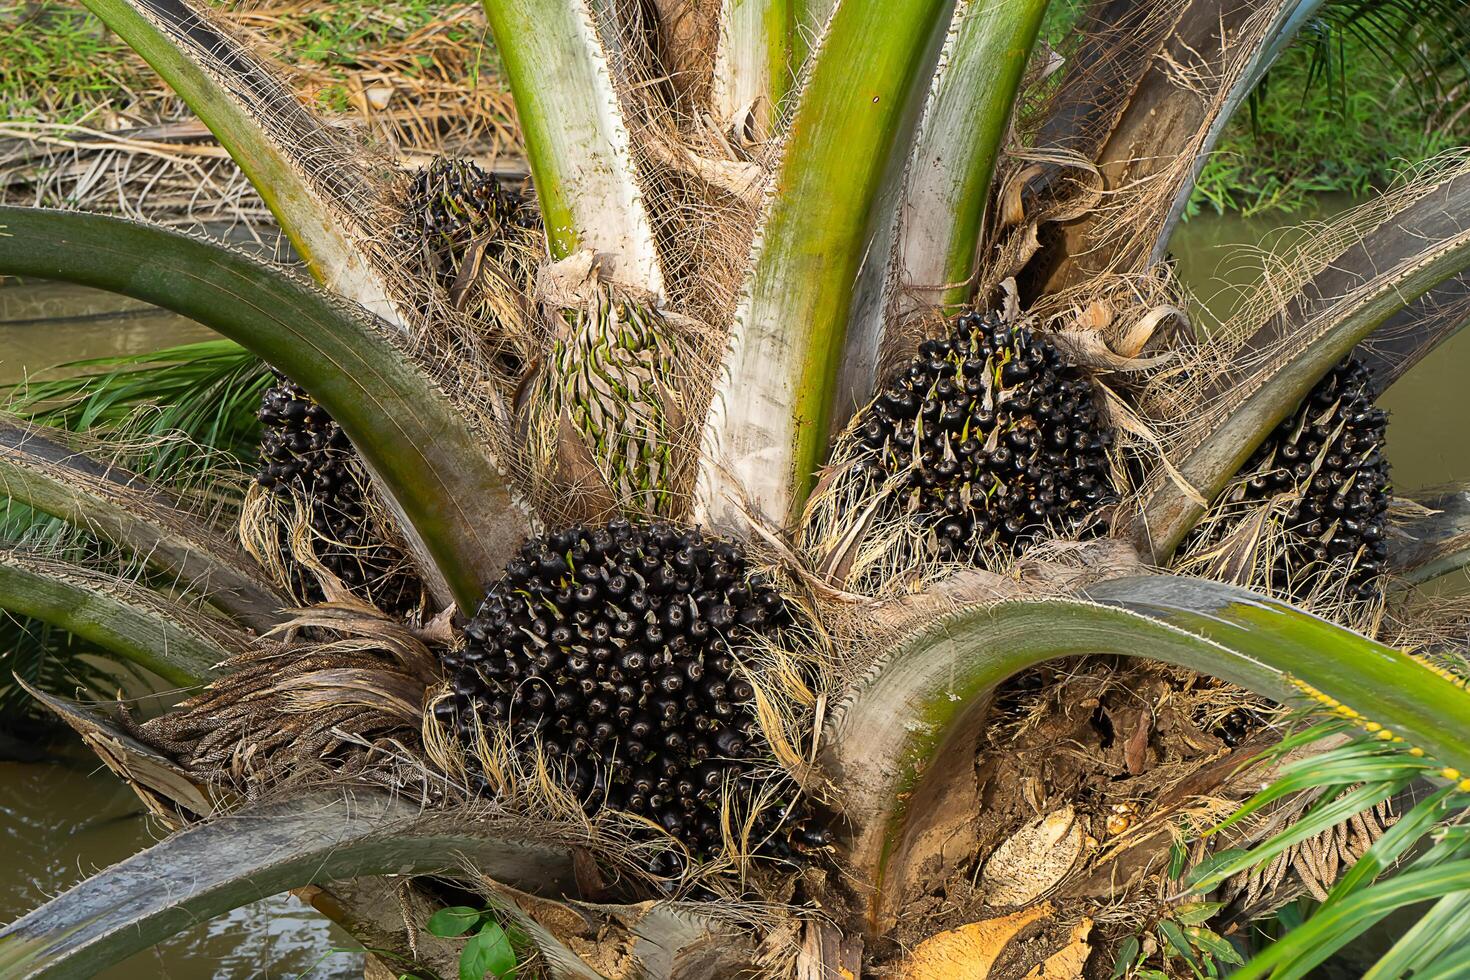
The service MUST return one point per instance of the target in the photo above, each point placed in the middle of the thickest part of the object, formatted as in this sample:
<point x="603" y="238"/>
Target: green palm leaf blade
<point x="895" y="741"/>
<point x="1333" y="926"/>
<point x="1437" y="935"/>
<point x="208" y="392"/>
<point x="258" y="851"/>
<point x="435" y="470"/>
<point x="1293" y="956"/>
<point x="38" y="470"/>
<point x="577" y="141"/>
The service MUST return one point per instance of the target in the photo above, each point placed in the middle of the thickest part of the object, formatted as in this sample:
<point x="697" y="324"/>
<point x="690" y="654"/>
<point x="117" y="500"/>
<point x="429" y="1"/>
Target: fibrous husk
<point x="1034" y="859"/>
<point x="346" y="699"/>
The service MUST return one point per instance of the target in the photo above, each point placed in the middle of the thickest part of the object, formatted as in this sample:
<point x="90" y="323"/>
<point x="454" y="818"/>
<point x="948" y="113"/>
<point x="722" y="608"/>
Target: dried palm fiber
<point x="622" y="657"/>
<point x="988" y="440"/>
<point x="308" y="464"/>
<point x="340" y="697"/>
<point x="1320" y="483"/>
<point x="701" y="176"/>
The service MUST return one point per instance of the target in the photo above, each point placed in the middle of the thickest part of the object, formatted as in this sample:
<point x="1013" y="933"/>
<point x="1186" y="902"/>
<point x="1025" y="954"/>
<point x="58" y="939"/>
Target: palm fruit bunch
<point x="463" y="215"/>
<point x="992" y="435"/>
<point x="305" y="455"/>
<point x="615" y="649"/>
<point x="1327" y="456"/>
<point x="301" y="447"/>
<point x="613" y="375"/>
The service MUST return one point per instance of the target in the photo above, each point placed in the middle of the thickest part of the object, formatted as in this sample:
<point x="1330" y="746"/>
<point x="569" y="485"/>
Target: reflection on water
<point x="42" y="324"/>
<point x="58" y="821"/>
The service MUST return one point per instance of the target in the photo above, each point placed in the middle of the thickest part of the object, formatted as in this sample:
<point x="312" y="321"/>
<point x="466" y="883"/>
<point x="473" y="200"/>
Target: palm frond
<point x="1423" y="857"/>
<point x="166" y="404"/>
<point x="1427" y="42"/>
<point x="178" y="414"/>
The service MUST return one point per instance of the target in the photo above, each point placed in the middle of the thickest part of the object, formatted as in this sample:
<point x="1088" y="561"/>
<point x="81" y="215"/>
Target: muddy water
<point x="62" y="818"/>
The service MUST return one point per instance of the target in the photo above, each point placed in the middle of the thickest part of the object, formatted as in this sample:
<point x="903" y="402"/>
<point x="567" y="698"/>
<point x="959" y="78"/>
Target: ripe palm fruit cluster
<point x="993" y="436"/>
<point x="465" y="217"/>
<point x="615" y="648"/>
<point x="1328" y="456"/>
<point x="305" y="455"/>
<point x="301" y="446"/>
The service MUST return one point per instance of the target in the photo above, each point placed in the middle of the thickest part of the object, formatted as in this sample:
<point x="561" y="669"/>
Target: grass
<point x="1346" y="132"/>
<point x="56" y="65"/>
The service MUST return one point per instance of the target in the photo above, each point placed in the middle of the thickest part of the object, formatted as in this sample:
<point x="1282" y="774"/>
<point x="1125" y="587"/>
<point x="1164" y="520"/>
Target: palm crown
<point x="670" y="534"/>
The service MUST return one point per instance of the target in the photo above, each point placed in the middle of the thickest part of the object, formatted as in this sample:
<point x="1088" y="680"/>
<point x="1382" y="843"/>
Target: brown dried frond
<point x="344" y="697"/>
<point x="1310" y="867"/>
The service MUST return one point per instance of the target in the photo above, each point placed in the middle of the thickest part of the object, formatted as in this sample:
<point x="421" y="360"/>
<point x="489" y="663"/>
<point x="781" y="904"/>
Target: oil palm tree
<point x="845" y="381"/>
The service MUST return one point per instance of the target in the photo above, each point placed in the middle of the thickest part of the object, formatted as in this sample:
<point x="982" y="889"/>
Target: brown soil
<point x="1137" y="750"/>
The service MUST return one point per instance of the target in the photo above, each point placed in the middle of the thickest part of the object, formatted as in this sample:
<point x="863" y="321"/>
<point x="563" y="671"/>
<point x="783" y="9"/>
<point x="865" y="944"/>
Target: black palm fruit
<point x="1328" y="455"/>
<point x="301" y="447"/>
<point x="614" y="647"/>
<point x="462" y="214"/>
<point x="994" y="436"/>
<point x="305" y="455"/>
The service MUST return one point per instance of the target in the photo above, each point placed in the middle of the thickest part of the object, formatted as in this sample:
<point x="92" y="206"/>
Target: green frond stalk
<point x="1289" y="18"/>
<point x="255" y="852"/>
<point x="910" y="728"/>
<point x="1416" y="331"/>
<point x="577" y="143"/>
<point x="117" y="615"/>
<point x="948" y="187"/>
<point x="767" y="432"/>
<point x="923" y="255"/>
<point x="760" y="51"/>
<point x="122" y="508"/>
<point x="298" y="166"/>
<point x="1435" y="544"/>
<point x="1420" y="247"/>
<point x="456" y="507"/>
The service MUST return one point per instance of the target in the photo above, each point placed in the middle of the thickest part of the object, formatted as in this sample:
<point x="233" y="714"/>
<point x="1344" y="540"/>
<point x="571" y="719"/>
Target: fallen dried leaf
<point x="969" y="952"/>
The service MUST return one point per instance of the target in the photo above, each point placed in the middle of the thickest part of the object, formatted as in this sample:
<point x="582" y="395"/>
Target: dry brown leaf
<point x="1067" y="962"/>
<point x="969" y="952"/>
